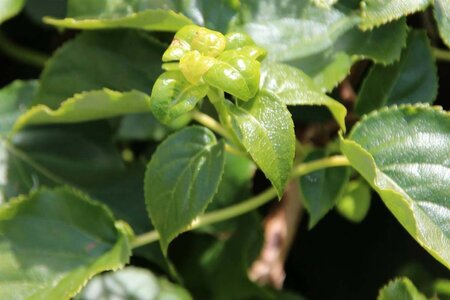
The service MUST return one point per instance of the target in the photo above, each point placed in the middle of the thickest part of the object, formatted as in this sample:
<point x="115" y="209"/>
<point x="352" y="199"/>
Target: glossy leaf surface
<point x="324" y="43"/>
<point x="173" y="96"/>
<point x="265" y="128"/>
<point x="442" y="16"/>
<point x="403" y="153"/>
<point x="235" y="74"/>
<point x="156" y="19"/>
<point x="400" y="288"/>
<point x="132" y="283"/>
<point x="181" y="179"/>
<point x="294" y="87"/>
<point x="405" y="81"/>
<point x="321" y="189"/>
<point x="53" y="241"/>
<point x="355" y="201"/>
<point x="192" y="37"/>
<point x="121" y="60"/>
<point x="10" y="8"/>
<point x="87" y="106"/>
<point x="376" y="12"/>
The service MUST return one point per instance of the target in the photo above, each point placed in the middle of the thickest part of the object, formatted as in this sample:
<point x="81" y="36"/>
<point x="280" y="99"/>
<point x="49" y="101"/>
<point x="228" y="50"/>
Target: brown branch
<point x="280" y="227"/>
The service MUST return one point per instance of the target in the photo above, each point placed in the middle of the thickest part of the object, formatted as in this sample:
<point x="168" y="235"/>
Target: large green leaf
<point x="110" y="9"/>
<point x="173" y="96"/>
<point x="403" y="152"/>
<point x="322" y="42"/>
<point x="155" y="19"/>
<point x="132" y="283"/>
<point x="294" y="87"/>
<point x="53" y="241"/>
<point x="265" y="128"/>
<point x="442" y="16"/>
<point x="181" y="179"/>
<point x="140" y="127"/>
<point x="294" y="28"/>
<point x="120" y="60"/>
<point x="382" y="45"/>
<point x="10" y="8"/>
<point x="14" y="99"/>
<point x="321" y="189"/>
<point x="405" y="81"/>
<point x="400" y="288"/>
<point x="86" y="106"/>
<point x="378" y="12"/>
<point x="38" y="9"/>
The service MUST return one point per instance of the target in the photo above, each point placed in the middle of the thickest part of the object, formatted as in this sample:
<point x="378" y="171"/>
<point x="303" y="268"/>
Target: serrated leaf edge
<point x="122" y="231"/>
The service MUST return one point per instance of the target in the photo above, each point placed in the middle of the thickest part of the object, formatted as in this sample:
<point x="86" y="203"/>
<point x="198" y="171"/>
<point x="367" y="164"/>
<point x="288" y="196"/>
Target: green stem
<point x="249" y="204"/>
<point x="209" y="122"/>
<point x="22" y="54"/>
<point x="441" y="54"/>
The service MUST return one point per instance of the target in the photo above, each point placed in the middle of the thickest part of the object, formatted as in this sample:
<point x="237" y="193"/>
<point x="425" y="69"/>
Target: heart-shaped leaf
<point x="235" y="74"/>
<point x="265" y="128"/>
<point x="403" y="152"/>
<point x="53" y="241"/>
<point x="181" y="179"/>
<point x="173" y="96"/>
<point x="294" y="87"/>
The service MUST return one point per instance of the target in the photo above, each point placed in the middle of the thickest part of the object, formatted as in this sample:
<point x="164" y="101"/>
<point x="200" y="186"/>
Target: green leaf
<point x="294" y="29"/>
<point x="324" y="43"/>
<point x="265" y="128"/>
<point x="236" y="182"/>
<point x="53" y="241"/>
<point x="235" y="74"/>
<point x="141" y="127"/>
<point x="400" y="288"/>
<point x="154" y="20"/>
<point x="321" y="189"/>
<point x="294" y="87"/>
<point x="221" y="265"/>
<point x="214" y="14"/>
<point x="110" y="9"/>
<point x="121" y="60"/>
<point x="382" y="45"/>
<point x="442" y="16"/>
<point x="10" y="8"/>
<point x="38" y="9"/>
<point x="14" y="99"/>
<point x="378" y="12"/>
<point x="403" y="153"/>
<point x="181" y="179"/>
<point x="355" y="201"/>
<point x="86" y="106"/>
<point x="403" y="82"/>
<point x="325" y="3"/>
<point x="173" y="96"/>
<point x="132" y="283"/>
